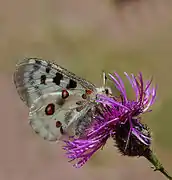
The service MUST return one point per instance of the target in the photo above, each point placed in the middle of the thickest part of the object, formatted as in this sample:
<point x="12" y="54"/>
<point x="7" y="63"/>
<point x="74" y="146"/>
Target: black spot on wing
<point x="37" y="61"/>
<point x="37" y="65"/>
<point x="84" y="96"/>
<point x="43" y="79"/>
<point x="57" y="78"/>
<point x="48" y="68"/>
<point x="61" y="130"/>
<point x="72" y="84"/>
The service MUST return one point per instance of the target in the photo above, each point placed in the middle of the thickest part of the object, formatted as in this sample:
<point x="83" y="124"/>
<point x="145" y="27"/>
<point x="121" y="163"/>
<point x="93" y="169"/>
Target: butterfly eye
<point x="65" y="94"/>
<point x="58" y="124"/>
<point x="50" y="109"/>
<point x="106" y="91"/>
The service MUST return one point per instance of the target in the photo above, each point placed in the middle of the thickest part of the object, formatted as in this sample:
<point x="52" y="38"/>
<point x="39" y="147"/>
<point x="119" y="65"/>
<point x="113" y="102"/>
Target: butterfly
<point x="60" y="103"/>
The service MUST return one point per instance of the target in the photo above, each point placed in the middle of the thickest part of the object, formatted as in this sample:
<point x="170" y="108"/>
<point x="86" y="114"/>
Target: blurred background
<point x="84" y="36"/>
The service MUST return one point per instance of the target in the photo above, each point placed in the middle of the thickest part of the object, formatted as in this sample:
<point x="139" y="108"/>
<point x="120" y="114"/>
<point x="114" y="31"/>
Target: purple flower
<point x="116" y="117"/>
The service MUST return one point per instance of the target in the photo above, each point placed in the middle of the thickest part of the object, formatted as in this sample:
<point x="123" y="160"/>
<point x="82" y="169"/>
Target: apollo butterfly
<point x="60" y="103"/>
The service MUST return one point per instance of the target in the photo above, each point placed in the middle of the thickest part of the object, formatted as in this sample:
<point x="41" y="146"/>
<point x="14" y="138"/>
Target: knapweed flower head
<point x="119" y="118"/>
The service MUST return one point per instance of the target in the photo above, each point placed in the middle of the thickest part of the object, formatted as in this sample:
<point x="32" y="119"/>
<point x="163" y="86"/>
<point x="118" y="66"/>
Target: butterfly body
<point x="57" y="99"/>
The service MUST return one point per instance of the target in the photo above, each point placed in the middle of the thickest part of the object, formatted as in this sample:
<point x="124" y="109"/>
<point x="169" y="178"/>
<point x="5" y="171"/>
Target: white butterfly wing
<point x="51" y="92"/>
<point x="50" y="116"/>
<point x="35" y="77"/>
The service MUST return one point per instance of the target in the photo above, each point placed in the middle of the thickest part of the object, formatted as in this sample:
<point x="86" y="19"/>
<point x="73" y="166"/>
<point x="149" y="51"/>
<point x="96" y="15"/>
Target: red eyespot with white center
<point x="65" y="94"/>
<point x="50" y="109"/>
<point x="58" y="124"/>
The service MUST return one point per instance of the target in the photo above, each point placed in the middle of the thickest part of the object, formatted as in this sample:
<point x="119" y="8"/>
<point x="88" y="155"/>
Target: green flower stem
<point x="157" y="165"/>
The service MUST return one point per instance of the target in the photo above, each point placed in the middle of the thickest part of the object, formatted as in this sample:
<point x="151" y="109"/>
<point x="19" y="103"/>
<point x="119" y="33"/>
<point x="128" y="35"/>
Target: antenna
<point x="104" y="79"/>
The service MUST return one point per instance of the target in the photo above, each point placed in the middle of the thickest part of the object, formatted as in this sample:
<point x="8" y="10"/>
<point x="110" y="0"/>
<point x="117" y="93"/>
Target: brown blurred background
<point x="84" y="36"/>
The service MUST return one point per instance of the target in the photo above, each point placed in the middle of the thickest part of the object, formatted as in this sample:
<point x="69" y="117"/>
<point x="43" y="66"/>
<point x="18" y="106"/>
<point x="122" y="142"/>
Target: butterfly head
<point x="104" y="90"/>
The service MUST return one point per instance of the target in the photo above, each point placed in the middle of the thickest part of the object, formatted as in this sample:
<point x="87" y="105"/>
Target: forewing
<point x="35" y="77"/>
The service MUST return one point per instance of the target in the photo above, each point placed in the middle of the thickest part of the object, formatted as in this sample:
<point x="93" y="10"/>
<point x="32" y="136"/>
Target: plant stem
<point x="157" y="165"/>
